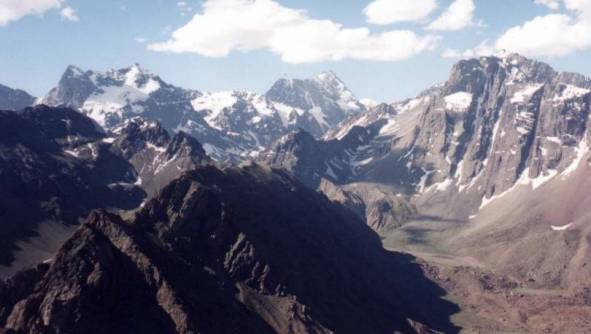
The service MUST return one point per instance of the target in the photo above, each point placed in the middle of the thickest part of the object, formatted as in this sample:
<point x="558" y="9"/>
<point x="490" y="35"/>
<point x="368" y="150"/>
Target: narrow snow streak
<point x="560" y="228"/>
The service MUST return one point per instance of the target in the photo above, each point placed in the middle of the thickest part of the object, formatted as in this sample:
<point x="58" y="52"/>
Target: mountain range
<point x="231" y="125"/>
<point x="301" y="210"/>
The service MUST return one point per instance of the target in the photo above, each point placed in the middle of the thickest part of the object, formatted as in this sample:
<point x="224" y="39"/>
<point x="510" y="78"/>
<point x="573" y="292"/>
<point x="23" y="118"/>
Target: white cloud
<point x="388" y="11"/>
<point x="552" y="4"/>
<point x="459" y="15"/>
<point x="69" y="13"/>
<point x="140" y="39"/>
<point x="13" y="10"/>
<point x="552" y="34"/>
<point x="224" y="26"/>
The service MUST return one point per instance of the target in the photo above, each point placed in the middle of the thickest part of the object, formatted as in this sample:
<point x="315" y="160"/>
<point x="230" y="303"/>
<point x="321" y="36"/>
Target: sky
<point x="385" y="50"/>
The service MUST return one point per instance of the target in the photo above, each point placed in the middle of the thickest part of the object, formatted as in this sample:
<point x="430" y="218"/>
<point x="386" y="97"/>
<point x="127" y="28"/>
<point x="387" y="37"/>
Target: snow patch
<point x="561" y="228"/>
<point x="111" y="100"/>
<point x="284" y="112"/>
<point x="524" y="180"/>
<point x="459" y="101"/>
<point x="525" y="93"/>
<point x="539" y="180"/>
<point x="134" y="74"/>
<point x="72" y="153"/>
<point x="423" y="181"/>
<point x="157" y="149"/>
<point x="389" y="128"/>
<point x="215" y="103"/>
<point x="581" y="151"/>
<point x="570" y="92"/>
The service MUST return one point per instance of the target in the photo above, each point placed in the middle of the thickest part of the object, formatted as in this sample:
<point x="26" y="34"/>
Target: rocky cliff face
<point x="14" y="99"/>
<point x="496" y="123"/>
<point x="220" y="251"/>
<point x="231" y="125"/>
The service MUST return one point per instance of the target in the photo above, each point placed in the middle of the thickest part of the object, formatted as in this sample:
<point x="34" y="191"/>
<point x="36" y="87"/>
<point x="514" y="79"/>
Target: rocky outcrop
<point x="238" y="249"/>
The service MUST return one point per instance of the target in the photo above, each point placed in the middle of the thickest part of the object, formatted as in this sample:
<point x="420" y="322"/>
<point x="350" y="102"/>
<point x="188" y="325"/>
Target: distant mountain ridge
<point x="231" y="125"/>
<point x="14" y="99"/>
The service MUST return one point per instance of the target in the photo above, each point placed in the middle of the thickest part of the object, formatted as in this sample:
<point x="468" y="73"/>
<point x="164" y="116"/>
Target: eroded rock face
<point x="220" y="251"/>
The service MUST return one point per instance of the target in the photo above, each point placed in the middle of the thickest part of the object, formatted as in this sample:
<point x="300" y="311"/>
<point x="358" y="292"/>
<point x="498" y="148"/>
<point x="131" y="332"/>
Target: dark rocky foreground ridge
<point x="56" y="165"/>
<point x="39" y="181"/>
<point x="230" y="250"/>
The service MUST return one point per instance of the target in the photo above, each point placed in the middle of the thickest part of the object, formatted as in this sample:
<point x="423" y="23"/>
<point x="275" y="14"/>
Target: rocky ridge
<point x="213" y="254"/>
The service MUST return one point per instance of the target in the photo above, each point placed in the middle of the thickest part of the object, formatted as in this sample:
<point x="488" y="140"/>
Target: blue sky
<point x="35" y="49"/>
